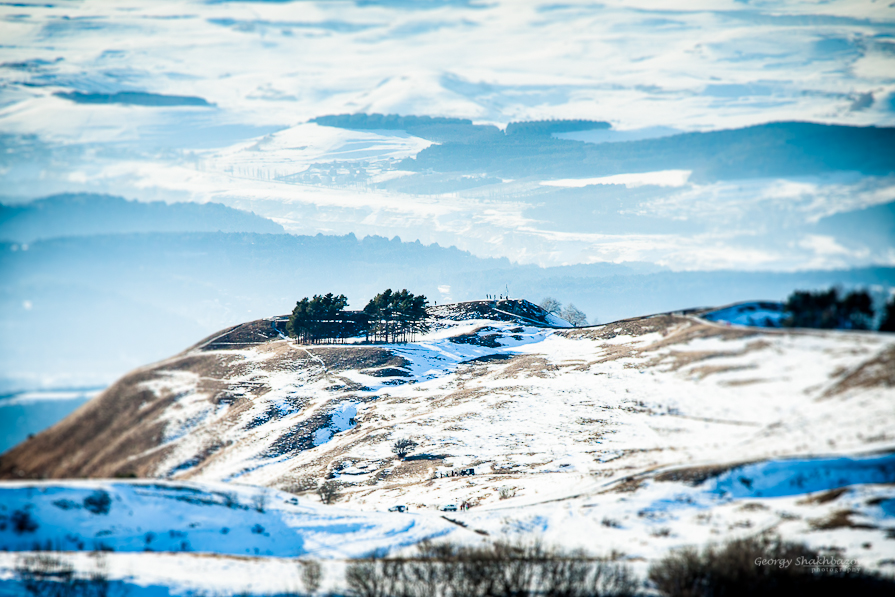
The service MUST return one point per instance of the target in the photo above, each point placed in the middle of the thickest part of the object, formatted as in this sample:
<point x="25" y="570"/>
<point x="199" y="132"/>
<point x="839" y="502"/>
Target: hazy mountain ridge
<point x="92" y="293"/>
<point x="774" y="149"/>
<point x="86" y="214"/>
<point x="530" y="149"/>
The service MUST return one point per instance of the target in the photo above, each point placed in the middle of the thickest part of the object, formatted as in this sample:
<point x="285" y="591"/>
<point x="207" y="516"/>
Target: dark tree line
<point x="322" y="319"/>
<point x="888" y="322"/>
<point x="388" y="317"/>
<point x="395" y="316"/>
<point x="827" y="310"/>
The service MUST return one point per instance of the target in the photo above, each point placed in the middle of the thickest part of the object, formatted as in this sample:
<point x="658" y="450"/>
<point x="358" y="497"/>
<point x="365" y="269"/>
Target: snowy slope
<point x="635" y="437"/>
<point x="160" y="516"/>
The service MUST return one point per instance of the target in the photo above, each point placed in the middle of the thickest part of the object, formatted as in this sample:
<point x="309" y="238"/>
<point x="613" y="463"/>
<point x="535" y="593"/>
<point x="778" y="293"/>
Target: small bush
<point x="611" y="523"/>
<point x="259" y="502"/>
<point x="302" y="485"/>
<point x="98" y="502"/>
<point x="506" y="492"/>
<point x="746" y="567"/>
<point x="311" y="575"/>
<point x="23" y="522"/>
<point x="329" y="492"/>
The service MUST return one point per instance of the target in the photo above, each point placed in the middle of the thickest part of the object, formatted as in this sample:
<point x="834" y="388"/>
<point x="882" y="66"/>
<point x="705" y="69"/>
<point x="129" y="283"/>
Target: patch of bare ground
<point x="342" y="358"/>
<point x="840" y="519"/>
<point x="678" y="359"/>
<point x="627" y="485"/>
<point x="674" y="330"/>
<point x="104" y="438"/>
<point x="611" y="353"/>
<point x="121" y="432"/>
<point x="874" y="373"/>
<point x="528" y="366"/>
<point x="458" y="397"/>
<point x="240" y="336"/>
<point x="695" y="475"/>
<point x="483" y="336"/>
<point x="639" y="326"/>
<point x="824" y="497"/>
<point x="734" y="383"/>
<point x="705" y="370"/>
<point x="417" y="469"/>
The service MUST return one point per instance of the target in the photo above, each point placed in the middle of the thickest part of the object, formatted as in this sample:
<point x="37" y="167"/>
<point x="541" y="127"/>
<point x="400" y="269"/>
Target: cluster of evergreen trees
<point x="390" y="316"/>
<point x="826" y="309"/>
<point x="396" y="316"/>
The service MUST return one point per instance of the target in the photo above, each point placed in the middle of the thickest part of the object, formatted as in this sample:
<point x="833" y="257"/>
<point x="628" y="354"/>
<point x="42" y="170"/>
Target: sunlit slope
<point x="553" y="411"/>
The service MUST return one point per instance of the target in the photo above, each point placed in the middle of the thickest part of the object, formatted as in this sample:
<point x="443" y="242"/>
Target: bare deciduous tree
<point x="311" y="575"/>
<point x="574" y="316"/>
<point x="550" y="305"/>
<point x="259" y="502"/>
<point x="402" y="447"/>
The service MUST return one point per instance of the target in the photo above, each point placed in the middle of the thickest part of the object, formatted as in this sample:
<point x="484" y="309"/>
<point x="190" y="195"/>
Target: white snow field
<point x="630" y="438"/>
<point x="226" y="519"/>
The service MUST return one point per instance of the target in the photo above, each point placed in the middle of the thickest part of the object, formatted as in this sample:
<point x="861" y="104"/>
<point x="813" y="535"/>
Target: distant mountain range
<point x="84" y="214"/>
<point x="113" y="302"/>
<point x="530" y="149"/>
<point x="116" y="284"/>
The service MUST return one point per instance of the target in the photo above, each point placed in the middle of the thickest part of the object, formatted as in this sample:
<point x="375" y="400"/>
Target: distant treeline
<point x="529" y="149"/>
<point x="79" y="214"/>
<point x="551" y="127"/>
<point x="831" y="310"/>
<point x="457" y="130"/>
<point x="389" y="317"/>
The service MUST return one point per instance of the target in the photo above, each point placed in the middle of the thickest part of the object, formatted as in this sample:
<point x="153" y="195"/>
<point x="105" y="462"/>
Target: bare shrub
<point x="48" y="575"/>
<point x="506" y="492"/>
<point x="98" y="502"/>
<point x="302" y="485"/>
<point x="311" y="575"/>
<point x="496" y="570"/>
<point x="610" y="523"/>
<point x="329" y="492"/>
<point x="259" y="502"/>
<point x="735" y="569"/>
<point x="402" y="447"/>
<point x="23" y="522"/>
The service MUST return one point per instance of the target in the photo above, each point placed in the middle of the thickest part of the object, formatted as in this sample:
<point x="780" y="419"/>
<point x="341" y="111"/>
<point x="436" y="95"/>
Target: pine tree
<point x="888" y="322"/>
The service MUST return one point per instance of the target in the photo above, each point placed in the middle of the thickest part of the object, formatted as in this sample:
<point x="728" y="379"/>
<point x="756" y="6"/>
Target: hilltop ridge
<point x="550" y="425"/>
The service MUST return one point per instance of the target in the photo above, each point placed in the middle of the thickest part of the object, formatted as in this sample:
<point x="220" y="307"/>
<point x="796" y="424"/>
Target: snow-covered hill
<point x="634" y="437"/>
